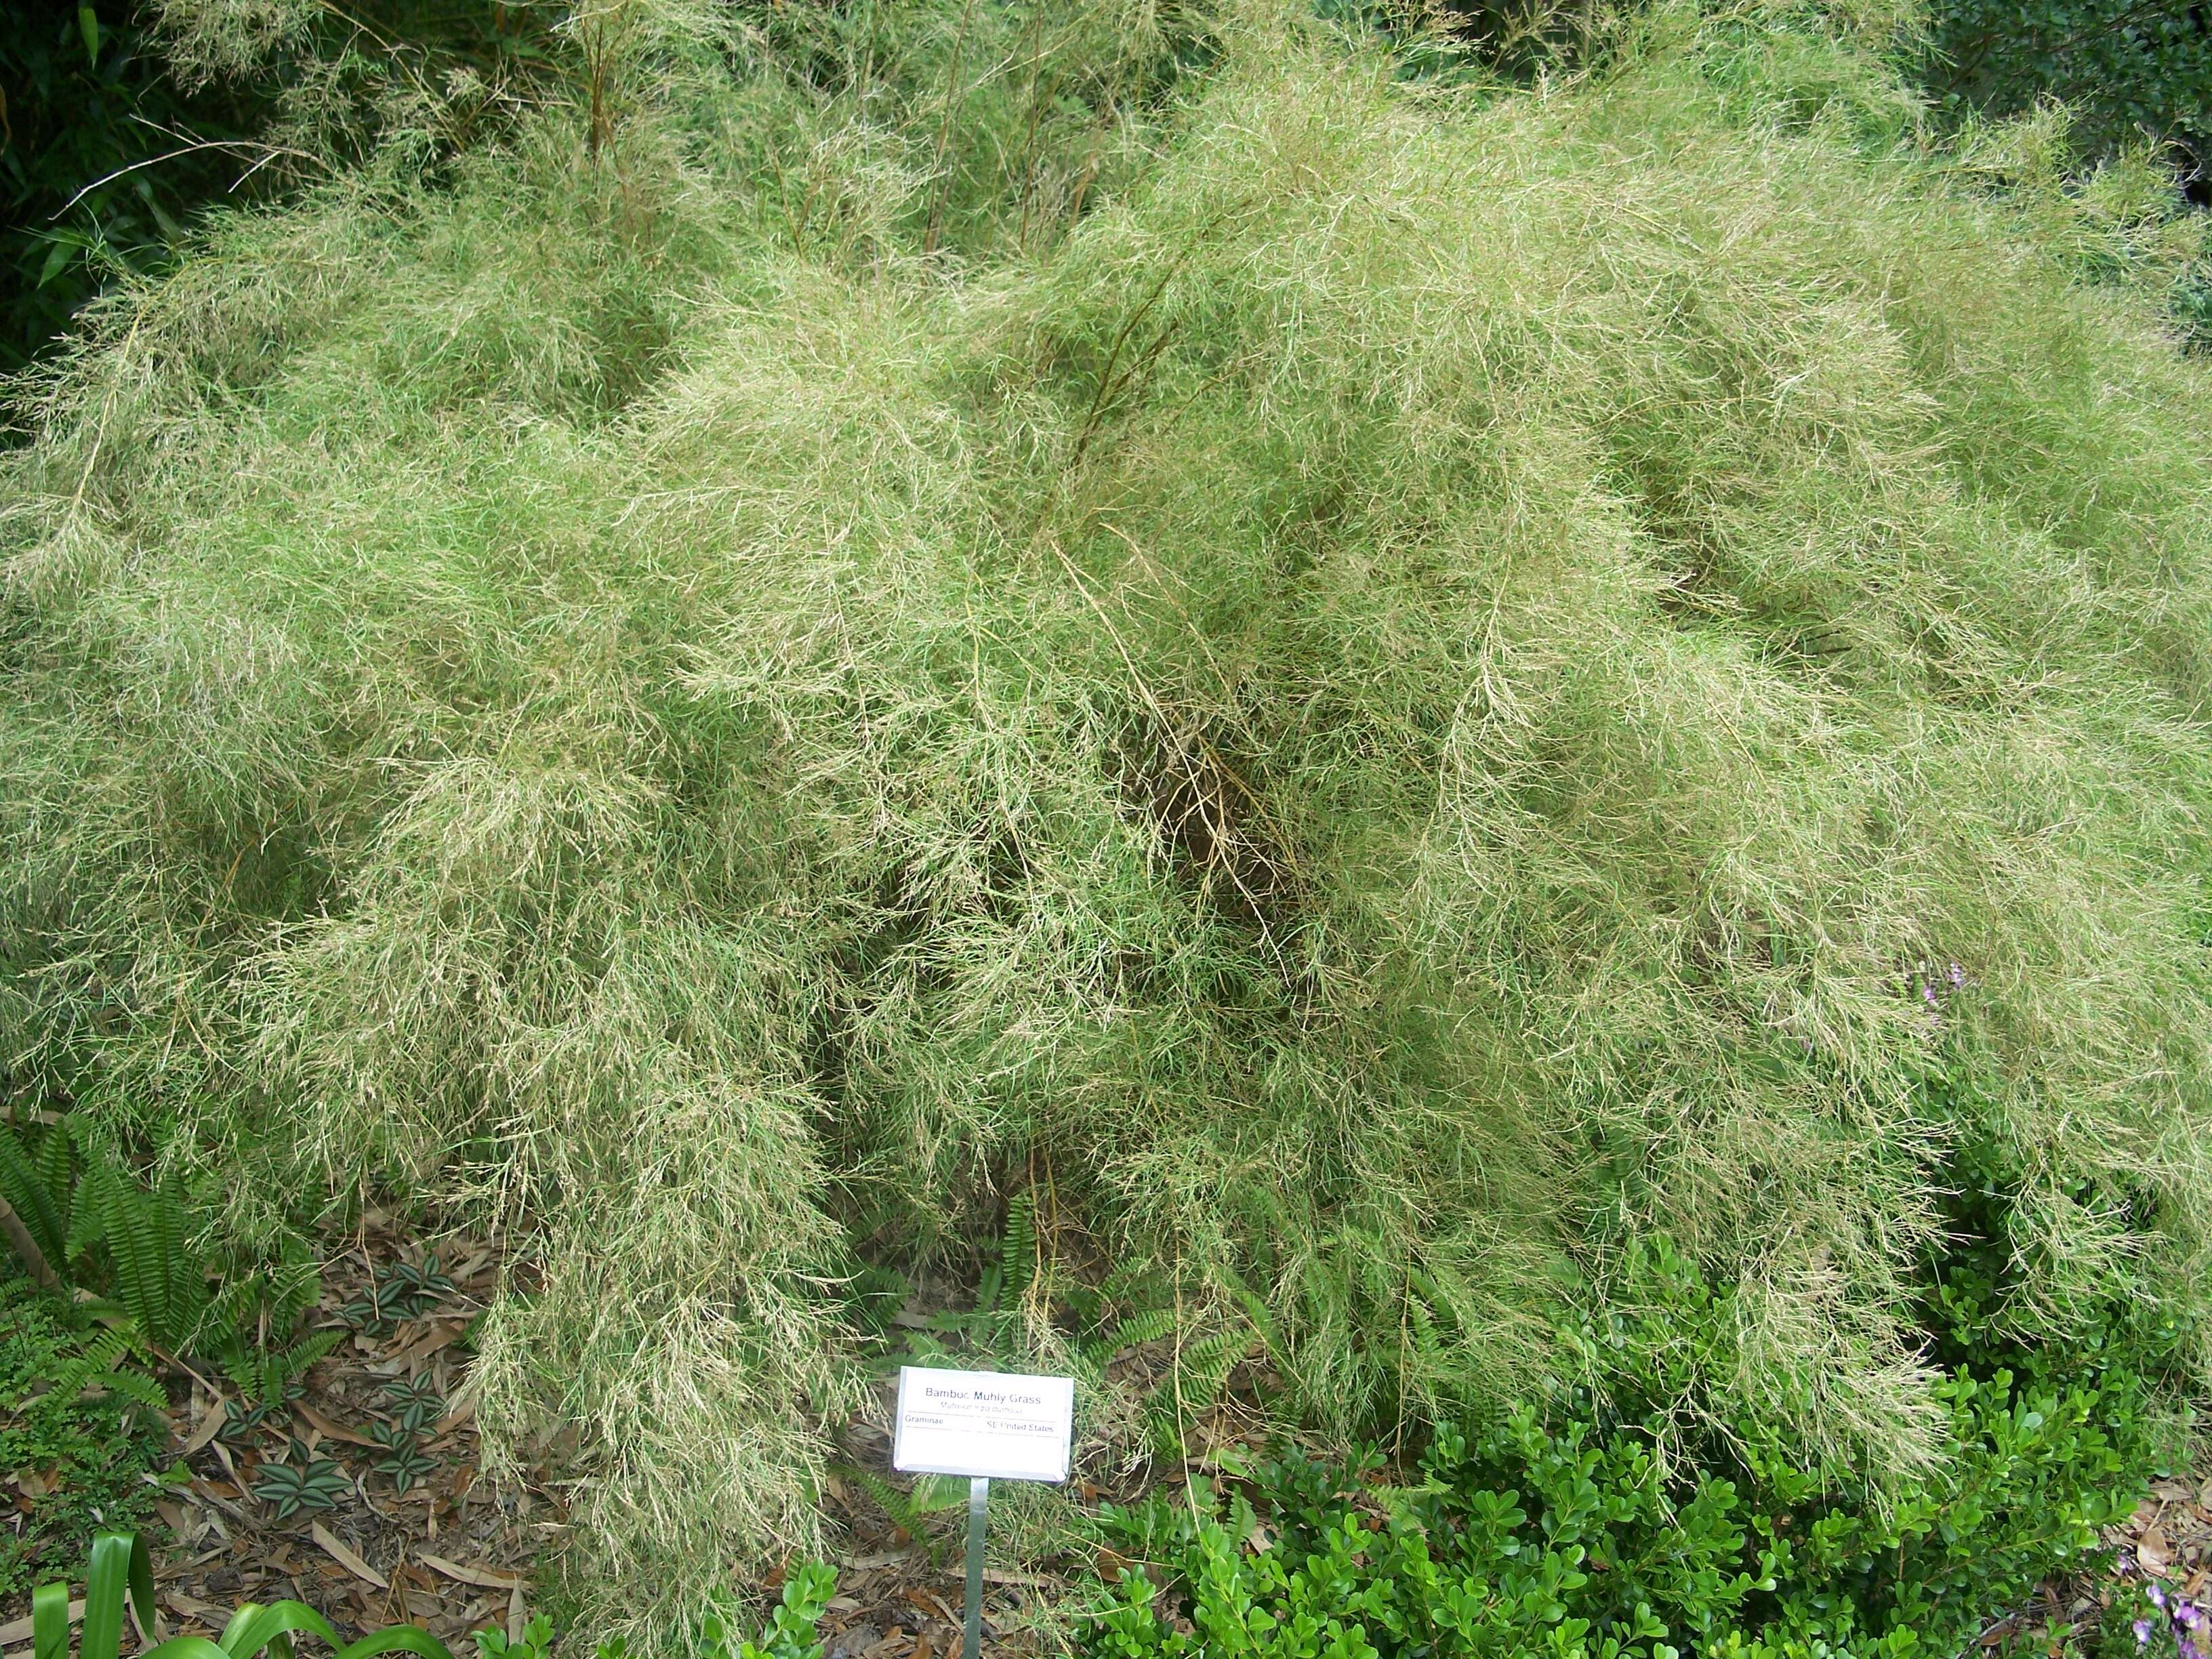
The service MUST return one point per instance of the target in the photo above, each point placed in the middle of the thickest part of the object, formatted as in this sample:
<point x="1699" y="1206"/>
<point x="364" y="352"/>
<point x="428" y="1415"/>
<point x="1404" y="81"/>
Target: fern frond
<point x="163" y="1233"/>
<point x="893" y="1502"/>
<point x="1255" y="1308"/>
<point x="159" y="1278"/>
<point x="133" y="1251"/>
<point x="280" y="1367"/>
<point x="233" y="1308"/>
<point x="1125" y="1284"/>
<point x="1201" y="1373"/>
<point x="1084" y="1305"/>
<point x="1164" y="1430"/>
<point x="934" y="1493"/>
<point x="902" y="1507"/>
<point x="265" y="1376"/>
<point x="101" y="1353"/>
<point x="295" y="1286"/>
<point x="57" y="1160"/>
<point x="45" y="1224"/>
<point x="1018" y="1249"/>
<point x="241" y="1367"/>
<point x="185" y="1294"/>
<point x="1131" y="1332"/>
<point x="87" y="1223"/>
<point x="1204" y="1368"/>
<point x="133" y="1385"/>
<point x="1427" y="1344"/>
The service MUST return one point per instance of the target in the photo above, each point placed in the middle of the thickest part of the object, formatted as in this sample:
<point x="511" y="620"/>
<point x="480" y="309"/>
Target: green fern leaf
<point x="134" y="1228"/>
<point x="1131" y="1332"/>
<point x="87" y="1225"/>
<point x="102" y="1354"/>
<point x="295" y="1286"/>
<point x="232" y="1308"/>
<point x="241" y="1367"/>
<point x="902" y="1508"/>
<point x="1204" y="1369"/>
<point x="131" y="1255"/>
<point x="133" y="1385"/>
<point x="159" y="1279"/>
<point x="1255" y="1308"/>
<point x="185" y="1299"/>
<point x="24" y="1185"/>
<point x="1018" y="1249"/>
<point x="1428" y="1345"/>
<point x="162" y="1226"/>
<point x="1201" y="1374"/>
<point x="1126" y="1283"/>
<point x="282" y="1367"/>
<point x="57" y="1166"/>
<point x="1084" y="1303"/>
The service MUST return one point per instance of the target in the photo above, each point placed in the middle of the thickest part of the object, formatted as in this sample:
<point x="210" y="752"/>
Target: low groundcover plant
<point x="1607" y="1525"/>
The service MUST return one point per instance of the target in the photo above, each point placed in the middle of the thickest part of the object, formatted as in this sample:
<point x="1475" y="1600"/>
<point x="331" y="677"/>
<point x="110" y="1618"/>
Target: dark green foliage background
<point x="88" y="99"/>
<point x="108" y="156"/>
<point x="2135" y="68"/>
<point x="87" y="95"/>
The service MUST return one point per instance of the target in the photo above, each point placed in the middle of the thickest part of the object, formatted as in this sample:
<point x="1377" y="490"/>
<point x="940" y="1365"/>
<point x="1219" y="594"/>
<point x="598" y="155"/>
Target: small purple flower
<point x="1958" y="976"/>
<point x="2142" y="1632"/>
<point x="1927" y="990"/>
<point x="2188" y="1648"/>
<point x="2157" y="1595"/>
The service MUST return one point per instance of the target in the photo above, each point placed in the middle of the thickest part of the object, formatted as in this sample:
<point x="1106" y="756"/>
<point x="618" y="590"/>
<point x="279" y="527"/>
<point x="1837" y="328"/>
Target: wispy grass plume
<point x="1376" y="690"/>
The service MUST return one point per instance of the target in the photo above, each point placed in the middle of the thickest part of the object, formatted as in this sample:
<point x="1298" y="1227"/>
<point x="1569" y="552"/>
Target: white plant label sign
<point x="983" y="1423"/>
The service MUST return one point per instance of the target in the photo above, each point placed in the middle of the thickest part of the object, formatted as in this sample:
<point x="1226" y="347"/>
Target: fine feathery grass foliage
<point x="1368" y="690"/>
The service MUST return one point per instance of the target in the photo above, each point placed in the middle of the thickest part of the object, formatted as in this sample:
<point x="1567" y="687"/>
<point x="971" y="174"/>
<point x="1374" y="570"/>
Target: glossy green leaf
<point x="49" y="1621"/>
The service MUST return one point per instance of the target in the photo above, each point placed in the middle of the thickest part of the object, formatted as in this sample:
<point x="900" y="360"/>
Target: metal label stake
<point x="981" y="1426"/>
<point x="971" y="1634"/>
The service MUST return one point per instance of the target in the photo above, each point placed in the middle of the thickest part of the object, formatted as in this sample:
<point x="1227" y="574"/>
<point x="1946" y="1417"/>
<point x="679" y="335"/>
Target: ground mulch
<point x="451" y="1552"/>
<point x="454" y="1551"/>
<point x="896" y="1600"/>
<point x="2165" y="1547"/>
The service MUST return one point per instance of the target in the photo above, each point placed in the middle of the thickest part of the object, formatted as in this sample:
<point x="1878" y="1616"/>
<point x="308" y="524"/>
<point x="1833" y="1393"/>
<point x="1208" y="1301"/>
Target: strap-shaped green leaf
<point x="49" y="1621"/>
<point x="272" y="1628"/>
<point x="141" y="1587"/>
<point x="119" y="1567"/>
<point x="246" y="1614"/>
<point x="412" y="1638"/>
<point x="185" y="1647"/>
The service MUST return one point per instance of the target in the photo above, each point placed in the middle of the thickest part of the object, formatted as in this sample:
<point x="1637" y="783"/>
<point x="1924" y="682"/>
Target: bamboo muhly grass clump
<point x="1371" y="691"/>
